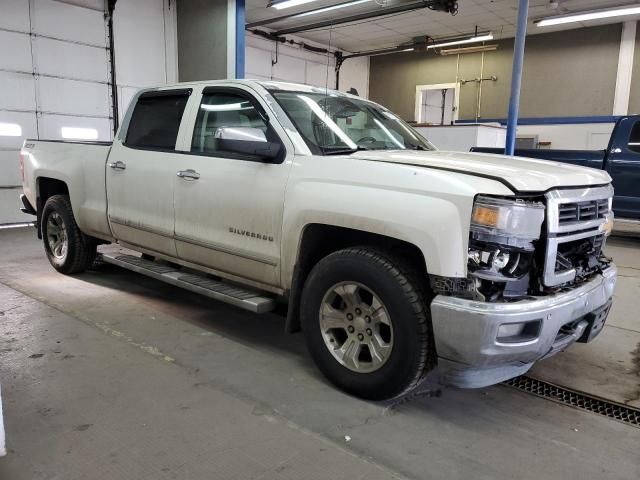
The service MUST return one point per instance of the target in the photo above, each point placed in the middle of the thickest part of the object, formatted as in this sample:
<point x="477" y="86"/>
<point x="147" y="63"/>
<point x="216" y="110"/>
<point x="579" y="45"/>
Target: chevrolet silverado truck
<point x="394" y="259"/>
<point x="621" y="160"/>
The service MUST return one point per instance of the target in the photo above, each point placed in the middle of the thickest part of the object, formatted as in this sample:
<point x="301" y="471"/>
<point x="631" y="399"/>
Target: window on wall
<point x="219" y="110"/>
<point x="634" y="138"/>
<point x="156" y="120"/>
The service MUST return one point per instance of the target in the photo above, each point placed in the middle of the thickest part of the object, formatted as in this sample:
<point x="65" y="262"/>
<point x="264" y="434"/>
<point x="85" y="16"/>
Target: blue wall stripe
<point x="240" y="23"/>
<point x="549" y="120"/>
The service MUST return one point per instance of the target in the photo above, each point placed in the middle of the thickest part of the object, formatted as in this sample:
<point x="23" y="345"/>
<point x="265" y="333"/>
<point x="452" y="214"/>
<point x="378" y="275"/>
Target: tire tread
<point x="416" y="296"/>
<point x="81" y="251"/>
<point x="407" y="277"/>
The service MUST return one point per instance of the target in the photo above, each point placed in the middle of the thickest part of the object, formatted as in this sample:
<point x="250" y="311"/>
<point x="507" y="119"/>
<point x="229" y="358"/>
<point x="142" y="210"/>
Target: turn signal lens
<point x="486" y="216"/>
<point x="607" y="226"/>
<point x="511" y="219"/>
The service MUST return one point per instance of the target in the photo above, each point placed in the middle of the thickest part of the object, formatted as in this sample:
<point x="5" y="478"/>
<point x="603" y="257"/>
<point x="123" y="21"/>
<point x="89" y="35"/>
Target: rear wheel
<point x="67" y="248"/>
<point x="366" y="323"/>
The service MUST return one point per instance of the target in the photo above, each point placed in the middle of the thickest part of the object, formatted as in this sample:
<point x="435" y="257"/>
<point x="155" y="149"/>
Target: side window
<point x="634" y="139"/>
<point x="222" y="109"/>
<point x="156" y="120"/>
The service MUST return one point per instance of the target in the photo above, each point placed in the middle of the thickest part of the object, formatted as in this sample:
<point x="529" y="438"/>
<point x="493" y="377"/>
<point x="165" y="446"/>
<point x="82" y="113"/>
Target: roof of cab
<point x="267" y="84"/>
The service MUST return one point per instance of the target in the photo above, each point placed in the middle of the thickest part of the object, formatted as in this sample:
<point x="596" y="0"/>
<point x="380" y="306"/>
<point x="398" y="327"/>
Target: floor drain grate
<point x="583" y="401"/>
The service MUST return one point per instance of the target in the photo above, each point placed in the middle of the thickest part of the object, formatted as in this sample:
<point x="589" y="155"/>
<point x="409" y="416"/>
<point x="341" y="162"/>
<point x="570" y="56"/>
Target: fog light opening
<point x="518" y="332"/>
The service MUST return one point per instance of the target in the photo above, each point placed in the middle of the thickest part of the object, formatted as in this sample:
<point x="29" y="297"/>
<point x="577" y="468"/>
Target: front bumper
<point x="470" y="354"/>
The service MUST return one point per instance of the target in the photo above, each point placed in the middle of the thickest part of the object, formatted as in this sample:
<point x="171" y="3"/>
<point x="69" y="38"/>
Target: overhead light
<point x="388" y="51"/>
<point x="585" y="17"/>
<point x="289" y="3"/>
<point x="328" y="9"/>
<point x="75" y="133"/>
<point x="474" y="49"/>
<point x="480" y="38"/>
<point x="10" y="130"/>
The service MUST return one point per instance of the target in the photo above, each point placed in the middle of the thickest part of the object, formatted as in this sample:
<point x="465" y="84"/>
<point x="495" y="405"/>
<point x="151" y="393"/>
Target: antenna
<point x="326" y="78"/>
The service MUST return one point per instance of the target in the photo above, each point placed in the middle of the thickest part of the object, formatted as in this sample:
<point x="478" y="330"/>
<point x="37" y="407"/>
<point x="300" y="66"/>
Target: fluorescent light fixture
<point x="585" y="17"/>
<point x="76" y="133"/>
<point x="332" y="7"/>
<point x="474" y="49"/>
<point x="387" y="52"/>
<point x="481" y="38"/>
<point x="289" y="3"/>
<point x="10" y="130"/>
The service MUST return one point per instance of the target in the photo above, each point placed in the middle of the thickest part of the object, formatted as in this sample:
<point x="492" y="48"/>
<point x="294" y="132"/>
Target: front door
<point x="624" y="168"/>
<point x="141" y="169"/>
<point x="229" y="207"/>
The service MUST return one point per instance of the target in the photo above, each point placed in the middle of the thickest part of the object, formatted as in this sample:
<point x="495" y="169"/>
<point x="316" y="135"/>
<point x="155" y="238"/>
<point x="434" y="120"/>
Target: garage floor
<point x="110" y="375"/>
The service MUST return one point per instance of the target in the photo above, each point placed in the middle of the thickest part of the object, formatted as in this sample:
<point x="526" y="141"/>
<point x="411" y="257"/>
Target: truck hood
<point x="519" y="173"/>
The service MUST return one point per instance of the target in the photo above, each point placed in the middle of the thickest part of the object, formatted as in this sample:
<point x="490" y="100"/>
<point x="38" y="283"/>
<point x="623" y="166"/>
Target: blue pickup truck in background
<point x="621" y="160"/>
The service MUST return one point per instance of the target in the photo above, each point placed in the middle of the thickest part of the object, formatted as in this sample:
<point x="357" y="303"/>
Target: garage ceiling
<point x="499" y="16"/>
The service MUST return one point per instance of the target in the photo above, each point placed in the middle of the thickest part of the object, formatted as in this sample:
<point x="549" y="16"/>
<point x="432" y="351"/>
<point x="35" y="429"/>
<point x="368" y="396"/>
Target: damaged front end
<point x="533" y="246"/>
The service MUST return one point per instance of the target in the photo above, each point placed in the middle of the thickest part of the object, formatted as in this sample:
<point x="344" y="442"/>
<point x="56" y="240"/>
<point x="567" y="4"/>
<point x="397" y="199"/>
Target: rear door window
<point x="156" y="120"/>
<point x="634" y="138"/>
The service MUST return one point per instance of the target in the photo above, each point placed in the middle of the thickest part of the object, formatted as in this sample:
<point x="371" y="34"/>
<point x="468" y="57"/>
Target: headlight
<point x="507" y="218"/>
<point x="501" y="239"/>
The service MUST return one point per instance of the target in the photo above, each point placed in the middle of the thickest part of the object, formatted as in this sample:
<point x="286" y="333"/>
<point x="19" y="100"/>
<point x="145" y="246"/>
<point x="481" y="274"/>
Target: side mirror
<point x="246" y="141"/>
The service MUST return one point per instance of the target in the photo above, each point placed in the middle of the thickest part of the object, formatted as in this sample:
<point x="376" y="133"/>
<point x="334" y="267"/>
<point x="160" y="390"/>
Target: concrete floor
<point x="111" y="375"/>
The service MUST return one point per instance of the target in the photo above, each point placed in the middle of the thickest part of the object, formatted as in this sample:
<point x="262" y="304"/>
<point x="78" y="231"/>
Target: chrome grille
<point x="573" y="217"/>
<point x="582" y="211"/>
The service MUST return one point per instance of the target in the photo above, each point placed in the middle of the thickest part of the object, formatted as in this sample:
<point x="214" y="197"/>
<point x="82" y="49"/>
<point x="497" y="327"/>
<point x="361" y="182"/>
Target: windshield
<point x="333" y="124"/>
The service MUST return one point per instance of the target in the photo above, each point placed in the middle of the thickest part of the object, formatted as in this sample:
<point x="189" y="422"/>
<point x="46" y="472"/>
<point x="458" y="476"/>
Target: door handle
<point x="188" y="174"/>
<point x="118" y="165"/>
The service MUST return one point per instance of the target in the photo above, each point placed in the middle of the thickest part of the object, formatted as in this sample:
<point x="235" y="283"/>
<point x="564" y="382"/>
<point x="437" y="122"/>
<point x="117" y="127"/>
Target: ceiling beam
<point x="434" y="4"/>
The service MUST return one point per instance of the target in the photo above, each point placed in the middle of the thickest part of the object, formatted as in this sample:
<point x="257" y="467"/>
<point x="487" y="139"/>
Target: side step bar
<point x="242" y="297"/>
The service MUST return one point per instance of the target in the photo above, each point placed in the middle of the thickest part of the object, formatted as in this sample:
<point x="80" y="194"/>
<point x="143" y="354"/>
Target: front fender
<point x="430" y="209"/>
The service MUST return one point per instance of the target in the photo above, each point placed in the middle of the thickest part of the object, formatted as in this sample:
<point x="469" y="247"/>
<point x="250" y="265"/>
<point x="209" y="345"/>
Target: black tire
<point x="80" y="249"/>
<point x="405" y="299"/>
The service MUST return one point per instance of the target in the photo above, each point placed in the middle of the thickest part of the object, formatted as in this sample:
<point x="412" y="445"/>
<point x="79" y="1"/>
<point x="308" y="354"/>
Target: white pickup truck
<point x="395" y="259"/>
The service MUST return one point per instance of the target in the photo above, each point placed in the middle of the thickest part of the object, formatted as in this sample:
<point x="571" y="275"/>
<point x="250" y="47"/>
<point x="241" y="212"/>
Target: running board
<point x="251" y="300"/>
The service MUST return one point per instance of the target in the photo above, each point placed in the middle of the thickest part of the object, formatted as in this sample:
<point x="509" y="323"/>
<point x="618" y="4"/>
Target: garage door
<point x="54" y="82"/>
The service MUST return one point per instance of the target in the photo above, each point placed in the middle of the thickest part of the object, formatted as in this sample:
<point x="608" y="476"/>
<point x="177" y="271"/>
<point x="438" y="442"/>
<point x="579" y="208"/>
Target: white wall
<point x="354" y="73"/>
<point x="585" y="136"/>
<point x="145" y="48"/>
<point x="54" y="73"/>
<point x="294" y="64"/>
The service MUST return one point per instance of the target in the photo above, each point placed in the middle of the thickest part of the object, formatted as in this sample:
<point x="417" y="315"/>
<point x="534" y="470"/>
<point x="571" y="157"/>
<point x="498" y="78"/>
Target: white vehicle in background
<point x="395" y="259"/>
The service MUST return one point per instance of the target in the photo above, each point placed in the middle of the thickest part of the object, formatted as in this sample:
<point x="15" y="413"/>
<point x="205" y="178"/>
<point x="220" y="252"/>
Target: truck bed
<point x="80" y="167"/>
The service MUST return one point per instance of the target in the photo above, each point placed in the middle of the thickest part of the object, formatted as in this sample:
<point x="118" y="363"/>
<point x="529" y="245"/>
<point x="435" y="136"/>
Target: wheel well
<point x="47" y="187"/>
<point x="319" y="240"/>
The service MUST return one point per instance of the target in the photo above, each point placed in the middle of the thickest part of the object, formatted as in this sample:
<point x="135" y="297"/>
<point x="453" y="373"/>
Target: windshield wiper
<point x="342" y="151"/>
<point x="419" y="147"/>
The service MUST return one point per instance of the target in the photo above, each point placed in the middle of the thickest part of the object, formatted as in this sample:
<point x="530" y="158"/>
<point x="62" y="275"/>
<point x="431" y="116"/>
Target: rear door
<point x="141" y="169"/>
<point x="229" y="209"/>
<point x="624" y="167"/>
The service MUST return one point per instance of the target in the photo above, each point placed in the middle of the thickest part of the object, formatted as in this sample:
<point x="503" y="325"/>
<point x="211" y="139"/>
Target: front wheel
<point x="67" y="248"/>
<point x="366" y="323"/>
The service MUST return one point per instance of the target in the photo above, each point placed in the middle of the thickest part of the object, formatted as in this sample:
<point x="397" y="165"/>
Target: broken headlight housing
<point x="502" y="240"/>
